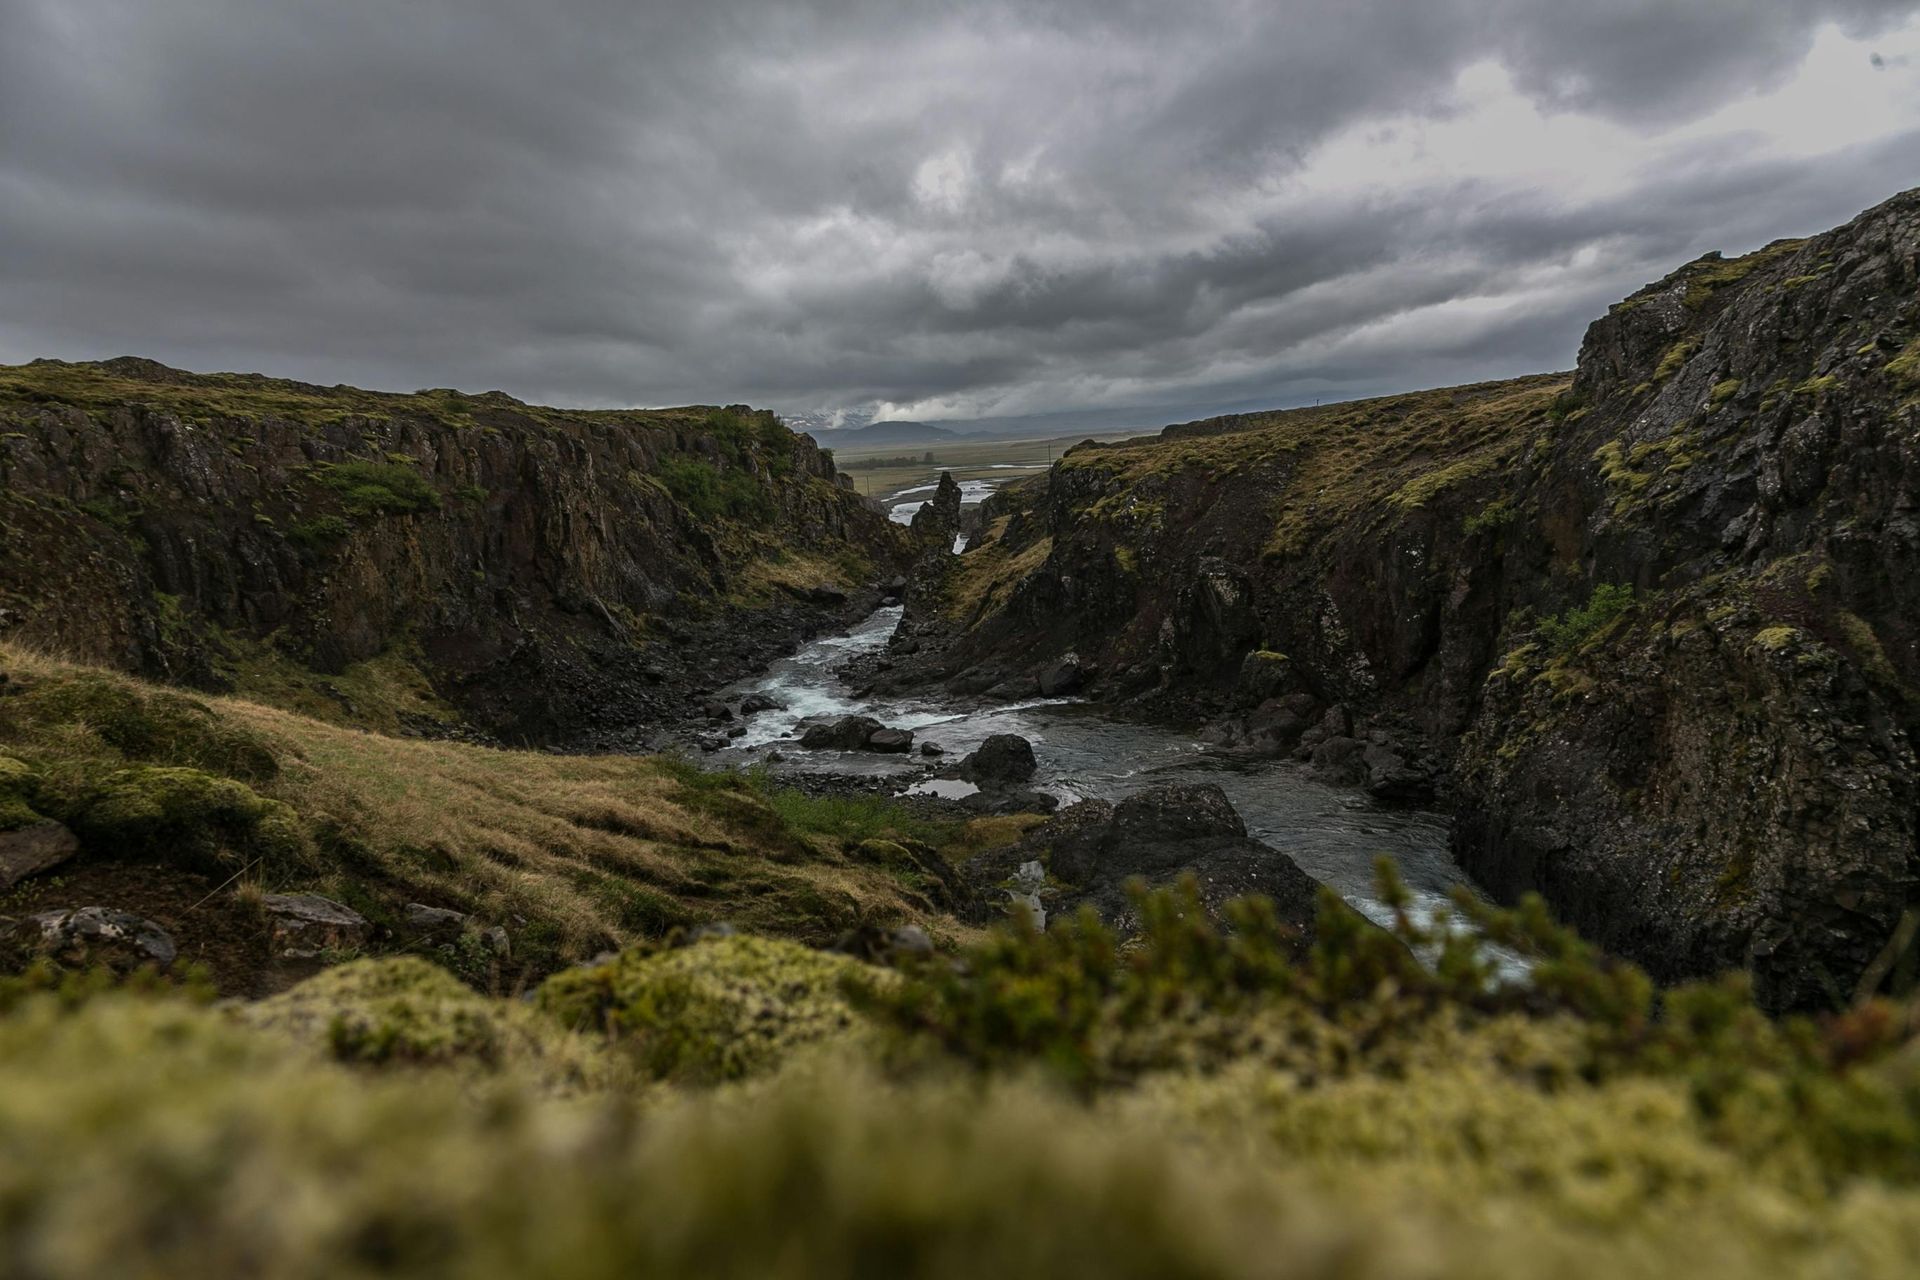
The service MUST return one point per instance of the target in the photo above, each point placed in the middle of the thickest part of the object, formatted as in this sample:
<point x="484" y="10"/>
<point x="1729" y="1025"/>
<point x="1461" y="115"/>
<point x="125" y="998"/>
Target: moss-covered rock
<point x="16" y="795"/>
<point x="188" y="817"/>
<point x="721" y="1009"/>
<point x="141" y="724"/>
<point x="405" y="1009"/>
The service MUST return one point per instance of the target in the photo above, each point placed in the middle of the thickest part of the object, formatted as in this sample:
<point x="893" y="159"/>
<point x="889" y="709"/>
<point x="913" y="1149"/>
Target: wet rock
<point x="85" y="936"/>
<point x="717" y="711"/>
<point x="1390" y="776"/>
<point x="1090" y="850"/>
<point x="1010" y="800"/>
<point x="304" y="925"/>
<point x="1057" y="679"/>
<point x="34" y="848"/>
<point x="737" y="731"/>
<point x="1005" y="759"/>
<point x="1338" y="760"/>
<point x="1264" y="674"/>
<point x="932" y="749"/>
<point x="890" y="741"/>
<point x="754" y="703"/>
<point x="848" y="733"/>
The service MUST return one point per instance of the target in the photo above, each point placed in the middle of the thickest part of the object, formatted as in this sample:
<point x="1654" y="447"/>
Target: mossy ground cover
<point x="1194" y="1105"/>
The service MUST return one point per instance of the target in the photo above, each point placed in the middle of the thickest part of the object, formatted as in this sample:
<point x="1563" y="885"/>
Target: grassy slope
<point x="1318" y="471"/>
<point x="571" y="853"/>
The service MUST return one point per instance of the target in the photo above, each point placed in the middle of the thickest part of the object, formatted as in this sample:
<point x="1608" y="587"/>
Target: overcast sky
<point x="959" y="210"/>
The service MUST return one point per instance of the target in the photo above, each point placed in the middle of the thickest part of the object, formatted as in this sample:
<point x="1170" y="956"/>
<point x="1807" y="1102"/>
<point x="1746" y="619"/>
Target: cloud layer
<point x="945" y="211"/>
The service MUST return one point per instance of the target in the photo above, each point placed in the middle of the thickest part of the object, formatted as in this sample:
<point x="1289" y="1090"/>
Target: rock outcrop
<point x="1652" y="628"/>
<point x="1086" y="855"/>
<point x="412" y="562"/>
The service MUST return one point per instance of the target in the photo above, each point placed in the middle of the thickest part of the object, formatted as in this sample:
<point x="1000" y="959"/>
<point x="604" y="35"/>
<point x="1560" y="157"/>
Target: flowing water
<point x="1333" y="833"/>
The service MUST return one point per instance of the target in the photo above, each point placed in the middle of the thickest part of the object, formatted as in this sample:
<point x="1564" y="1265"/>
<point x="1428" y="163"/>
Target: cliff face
<point x="546" y="575"/>
<point x="1653" y="627"/>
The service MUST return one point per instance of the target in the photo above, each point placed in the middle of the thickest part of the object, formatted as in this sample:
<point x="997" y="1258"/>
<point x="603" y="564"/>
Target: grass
<point x="587" y="851"/>
<point x="1331" y="461"/>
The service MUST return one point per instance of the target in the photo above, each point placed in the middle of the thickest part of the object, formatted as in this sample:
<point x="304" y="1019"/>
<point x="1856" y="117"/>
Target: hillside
<point x="1649" y="627"/>
<point x="878" y="433"/>
<point x="187" y="809"/>
<point x="431" y="562"/>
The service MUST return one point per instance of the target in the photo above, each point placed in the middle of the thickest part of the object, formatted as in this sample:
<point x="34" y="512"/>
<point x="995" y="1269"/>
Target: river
<point x="1333" y="833"/>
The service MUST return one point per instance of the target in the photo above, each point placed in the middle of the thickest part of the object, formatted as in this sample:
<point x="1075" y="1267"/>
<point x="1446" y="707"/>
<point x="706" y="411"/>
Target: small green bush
<point x="1565" y="633"/>
<point x="319" y="533"/>
<point x="713" y="493"/>
<point x="380" y="488"/>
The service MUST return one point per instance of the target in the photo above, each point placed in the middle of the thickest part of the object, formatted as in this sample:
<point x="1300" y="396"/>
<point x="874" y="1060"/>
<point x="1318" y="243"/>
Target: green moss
<point x="187" y="817"/>
<point x="1774" y="639"/>
<point x="1423" y="488"/>
<point x="1708" y="277"/>
<point x="1905" y="367"/>
<point x="722" y="1009"/>
<point x="1676" y="356"/>
<point x="1817" y="386"/>
<point x="138" y="724"/>
<point x="1725" y="391"/>
<point x="17" y="786"/>
<point x="403" y="1009"/>
<point x="1492" y="518"/>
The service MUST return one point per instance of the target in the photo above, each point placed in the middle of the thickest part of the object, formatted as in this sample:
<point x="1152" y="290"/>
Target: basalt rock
<point x="848" y="733"/>
<point x="557" y="577"/>
<point x="1090" y="851"/>
<point x="1654" y="626"/>
<point x="1003" y="760"/>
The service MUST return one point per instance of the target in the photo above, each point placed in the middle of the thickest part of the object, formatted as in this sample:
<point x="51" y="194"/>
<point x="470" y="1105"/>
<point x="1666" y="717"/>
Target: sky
<point x="1104" y="211"/>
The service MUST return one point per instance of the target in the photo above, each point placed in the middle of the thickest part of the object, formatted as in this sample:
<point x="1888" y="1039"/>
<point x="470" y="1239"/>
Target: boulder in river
<point x="890" y="741"/>
<point x="1003" y="760"/>
<point x="1091" y="849"/>
<point x="754" y="703"/>
<point x="848" y="733"/>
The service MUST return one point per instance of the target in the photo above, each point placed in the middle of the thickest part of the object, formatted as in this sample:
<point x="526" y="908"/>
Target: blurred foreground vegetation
<point x="1191" y="1104"/>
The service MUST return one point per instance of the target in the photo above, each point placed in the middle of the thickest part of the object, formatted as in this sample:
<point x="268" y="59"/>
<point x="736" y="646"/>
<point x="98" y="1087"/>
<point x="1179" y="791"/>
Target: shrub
<point x="711" y="493"/>
<point x="380" y="488"/>
<point x="318" y="533"/>
<point x="1568" y="631"/>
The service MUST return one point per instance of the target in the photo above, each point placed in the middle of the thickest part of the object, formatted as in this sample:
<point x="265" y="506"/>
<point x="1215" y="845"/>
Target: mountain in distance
<point x="895" y="432"/>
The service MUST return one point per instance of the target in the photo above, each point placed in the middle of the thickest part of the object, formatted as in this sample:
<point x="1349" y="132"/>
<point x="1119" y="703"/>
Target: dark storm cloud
<point x="970" y="209"/>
